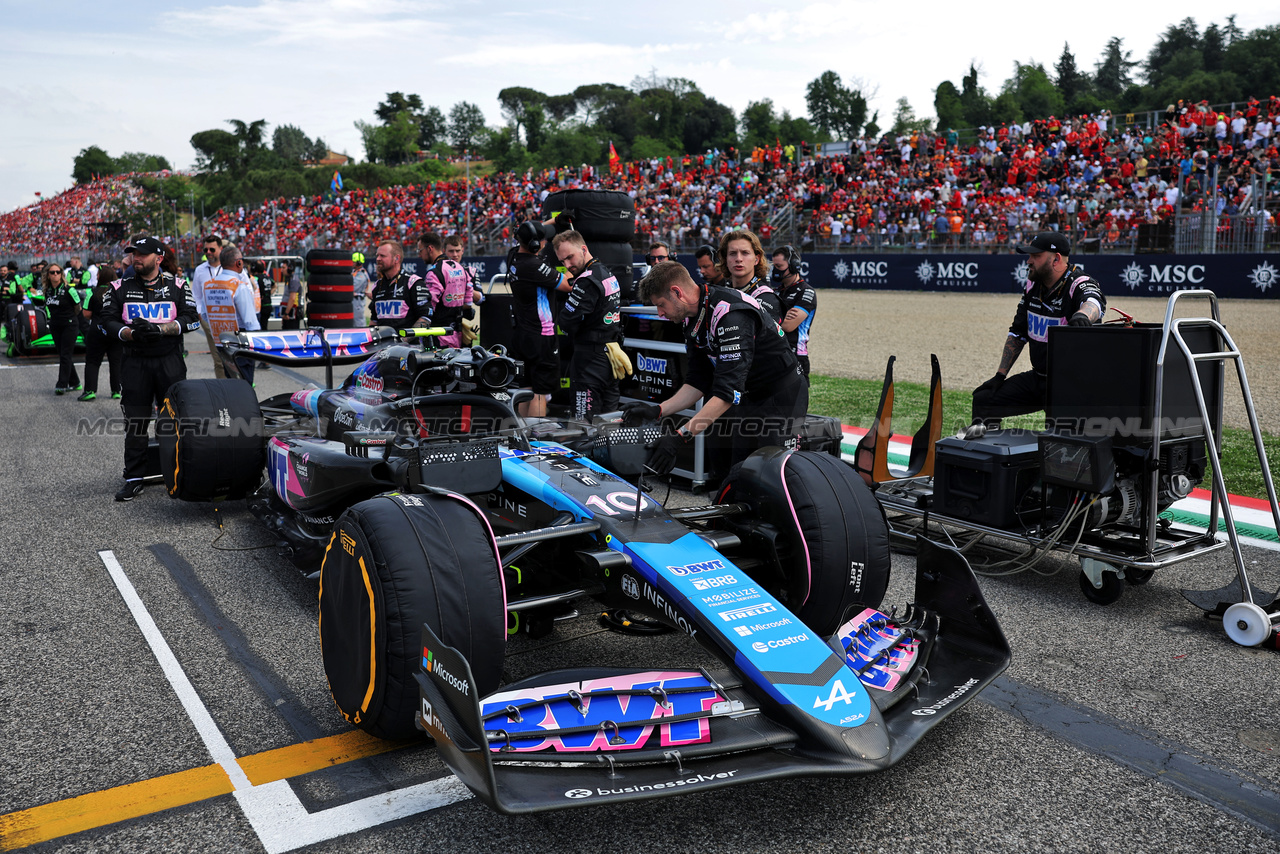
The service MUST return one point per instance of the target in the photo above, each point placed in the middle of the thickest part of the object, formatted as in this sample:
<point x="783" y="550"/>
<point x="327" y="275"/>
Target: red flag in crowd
<point x="615" y="163"/>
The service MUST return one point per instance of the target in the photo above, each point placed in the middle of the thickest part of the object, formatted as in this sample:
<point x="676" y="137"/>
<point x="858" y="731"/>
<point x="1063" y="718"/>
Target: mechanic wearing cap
<point x="1057" y="293"/>
<point x="706" y="256"/>
<point x="399" y="298"/>
<point x="592" y="318"/>
<point x="743" y="257"/>
<point x="799" y="302"/>
<point x="738" y="360"/>
<point x="149" y="312"/>
<point x="532" y="280"/>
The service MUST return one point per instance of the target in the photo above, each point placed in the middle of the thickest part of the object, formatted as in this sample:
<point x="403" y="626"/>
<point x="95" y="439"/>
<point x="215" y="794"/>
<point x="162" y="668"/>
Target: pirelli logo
<point x="348" y="544"/>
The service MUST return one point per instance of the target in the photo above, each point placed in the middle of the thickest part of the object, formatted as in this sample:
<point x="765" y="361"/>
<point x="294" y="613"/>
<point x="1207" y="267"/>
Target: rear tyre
<point x="212" y="440"/>
<point x="825" y="530"/>
<point x="598" y="215"/>
<point x="395" y="562"/>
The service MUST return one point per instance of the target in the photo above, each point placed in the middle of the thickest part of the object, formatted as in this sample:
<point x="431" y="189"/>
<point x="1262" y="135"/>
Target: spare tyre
<point x="331" y="316"/>
<point x="595" y="214"/>
<point x="825" y="538"/>
<point x="329" y="283"/>
<point x="393" y="563"/>
<point x="618" y="257"/>
<point x="213" y="440"/>
<point x="330" y="261"/>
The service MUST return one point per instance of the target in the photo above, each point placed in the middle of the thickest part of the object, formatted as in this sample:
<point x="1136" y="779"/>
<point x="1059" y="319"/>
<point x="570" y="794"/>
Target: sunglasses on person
<point x="54" y="272"/>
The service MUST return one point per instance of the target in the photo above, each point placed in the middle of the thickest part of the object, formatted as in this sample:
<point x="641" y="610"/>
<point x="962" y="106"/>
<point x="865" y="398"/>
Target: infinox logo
<point x="434" y="667"/>
<point x="959" y="692"/>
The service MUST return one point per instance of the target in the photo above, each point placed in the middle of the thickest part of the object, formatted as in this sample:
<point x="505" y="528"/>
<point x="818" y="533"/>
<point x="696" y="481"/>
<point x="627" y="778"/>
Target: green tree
<point x="217" y="150"/>
<point x="709" y="124"/>
<point x="947" y="105"/>
<point x="290" y="143"/>
<point x="137" y="161"/>
<point x="1174" y="52"/>
<point x="1112" y="73"/>
<point x="1071" y="82"/>
<point x="1034" y="92"/>
<point x="433" y="128"/>
<point x="793" y="131"/>
<point x="1213" y="47"/>
<point x="759" y="125"/>
<point x="592" y="98"/>
<point x="834" y="108"/>
<point x="974" y="100"/>
<point x="92" y="162"/>
<point x="516" y="103"/>
<point x="466" y="125"/>
<point x="396" y="103"/>
<point x="905" y="119"/>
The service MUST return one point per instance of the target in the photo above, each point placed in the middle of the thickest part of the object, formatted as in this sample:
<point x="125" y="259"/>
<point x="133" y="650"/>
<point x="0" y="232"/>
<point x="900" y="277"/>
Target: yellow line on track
<point x="97" y="809"/>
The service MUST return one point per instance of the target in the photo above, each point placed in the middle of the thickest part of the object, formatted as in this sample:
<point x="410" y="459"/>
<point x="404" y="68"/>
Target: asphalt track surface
<point x="1133" y="727"/>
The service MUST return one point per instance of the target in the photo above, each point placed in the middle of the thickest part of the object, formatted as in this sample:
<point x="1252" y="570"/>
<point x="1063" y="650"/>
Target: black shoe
<point x="131" y="490"/>
<point x="88" y="395"/>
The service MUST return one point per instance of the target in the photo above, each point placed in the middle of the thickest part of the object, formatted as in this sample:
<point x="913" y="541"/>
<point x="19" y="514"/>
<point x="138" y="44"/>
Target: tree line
<point x="658" y="116"/>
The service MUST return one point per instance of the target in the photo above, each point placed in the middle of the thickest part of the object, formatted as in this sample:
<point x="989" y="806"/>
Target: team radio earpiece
<point x="649" y="259"/>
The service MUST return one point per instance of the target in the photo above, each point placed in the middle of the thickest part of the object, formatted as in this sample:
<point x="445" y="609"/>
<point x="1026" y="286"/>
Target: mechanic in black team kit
<point x="1057" y="293"/>
<point x="738" y="360"/>
<point x="532" y="282"/>
<point x="743" y="258"/>
<point x="400" y="298"/>
<point x="149" y="312"/>
<point x="592" y="318"/>
<point x="799" y="302"/>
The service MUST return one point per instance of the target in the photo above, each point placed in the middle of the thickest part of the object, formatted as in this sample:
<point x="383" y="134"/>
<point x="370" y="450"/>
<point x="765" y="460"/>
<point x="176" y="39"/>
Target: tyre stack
<point x="329" y="289"/>
<point x="607" y="221"/>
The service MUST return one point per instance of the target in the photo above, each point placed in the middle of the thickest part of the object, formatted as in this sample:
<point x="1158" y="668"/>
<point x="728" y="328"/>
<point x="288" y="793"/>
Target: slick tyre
<point x="212" y="440"/>
<point x="393" y="563"/>
<point x="331" y="261"/>
<point x="328" y="285"/>
<point x="598" y="215"/>
<point x="825" y="532"/>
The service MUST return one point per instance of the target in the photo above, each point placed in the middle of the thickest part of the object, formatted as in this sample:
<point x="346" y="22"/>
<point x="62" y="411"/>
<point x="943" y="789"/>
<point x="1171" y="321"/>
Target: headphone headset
<point x="793" y="259"/>
<point x="530" y="235"/>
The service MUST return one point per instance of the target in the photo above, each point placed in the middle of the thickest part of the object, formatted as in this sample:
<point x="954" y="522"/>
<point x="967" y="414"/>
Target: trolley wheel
<point x="1106" y="590"/>
<point x="1246" y="624"/>
<point x="1138" y="577"/>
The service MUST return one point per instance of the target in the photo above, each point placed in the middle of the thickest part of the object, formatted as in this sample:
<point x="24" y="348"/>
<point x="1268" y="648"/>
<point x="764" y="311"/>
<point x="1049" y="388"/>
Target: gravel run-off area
<point x="855" y="332"/>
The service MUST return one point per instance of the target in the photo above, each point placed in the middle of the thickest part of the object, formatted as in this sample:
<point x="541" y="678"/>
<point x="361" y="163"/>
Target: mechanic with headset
<point x="149" y="312"/>
<point x="658" y="252"/>
<point x="739" y="362"/>
<point x="592" y="318"/>
<point x="706" y="256"/>
<point x="1057" y="293"/>
<point x="743" y="257"/>
<point x="400" y="300"/>
<point x="532" y="281"/>
<point x="799" y="302"/>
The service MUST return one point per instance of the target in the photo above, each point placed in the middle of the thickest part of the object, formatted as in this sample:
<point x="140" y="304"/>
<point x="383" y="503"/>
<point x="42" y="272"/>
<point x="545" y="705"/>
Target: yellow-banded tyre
<point x="393" y="563"/>
<point x="212" y="440"/>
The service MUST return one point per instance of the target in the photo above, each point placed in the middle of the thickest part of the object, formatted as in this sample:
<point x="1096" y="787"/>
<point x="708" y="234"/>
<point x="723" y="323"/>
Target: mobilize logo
<point x="579" y="794"/>
<point x="747" y="613"/>
<point x="960" y="691"/>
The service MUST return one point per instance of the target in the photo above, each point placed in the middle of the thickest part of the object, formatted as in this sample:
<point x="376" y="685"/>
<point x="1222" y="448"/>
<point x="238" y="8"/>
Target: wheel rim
<point x="1246" y="624"/>
<point x="1111" y="589"/>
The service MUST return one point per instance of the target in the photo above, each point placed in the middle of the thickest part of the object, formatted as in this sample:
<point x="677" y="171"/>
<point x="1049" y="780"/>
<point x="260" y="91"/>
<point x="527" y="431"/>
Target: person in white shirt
<point x="211" y="268"/>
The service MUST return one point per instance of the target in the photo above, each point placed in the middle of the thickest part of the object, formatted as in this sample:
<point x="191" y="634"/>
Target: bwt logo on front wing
<point x="695" y="568"/>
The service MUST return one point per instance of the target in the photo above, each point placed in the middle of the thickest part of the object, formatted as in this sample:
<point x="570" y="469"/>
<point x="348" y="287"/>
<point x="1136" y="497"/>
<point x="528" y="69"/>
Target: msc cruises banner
<point x="1229" y="276"/>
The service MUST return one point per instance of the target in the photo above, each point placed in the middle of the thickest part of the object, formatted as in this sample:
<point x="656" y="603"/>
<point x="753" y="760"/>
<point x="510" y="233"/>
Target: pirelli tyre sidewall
<point x="832" y="532"/>
<point x="607" y="215"/>
<point x="329" y="261"/>
<point x="212" y="440"/>
<point x="328" y="287"/>
<point x="393" y="563"/>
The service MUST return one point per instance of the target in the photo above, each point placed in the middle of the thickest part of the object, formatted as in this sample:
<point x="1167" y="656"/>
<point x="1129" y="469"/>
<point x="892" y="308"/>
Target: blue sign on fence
<point x="1253" y="276"/>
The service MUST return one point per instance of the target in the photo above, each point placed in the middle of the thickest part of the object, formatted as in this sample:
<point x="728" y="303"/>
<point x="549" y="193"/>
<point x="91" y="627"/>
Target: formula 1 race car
<point x="436" y="516"/>
<point x="25" y="331"/>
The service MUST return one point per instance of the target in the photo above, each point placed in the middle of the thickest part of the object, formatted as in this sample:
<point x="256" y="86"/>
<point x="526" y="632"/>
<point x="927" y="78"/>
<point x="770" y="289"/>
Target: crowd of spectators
<point x="62" y="223"/>
<point x="1090" y="175"/>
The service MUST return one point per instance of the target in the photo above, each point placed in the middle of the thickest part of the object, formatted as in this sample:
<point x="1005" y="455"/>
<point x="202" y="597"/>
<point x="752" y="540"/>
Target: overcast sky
<point x="136" y="76"/>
